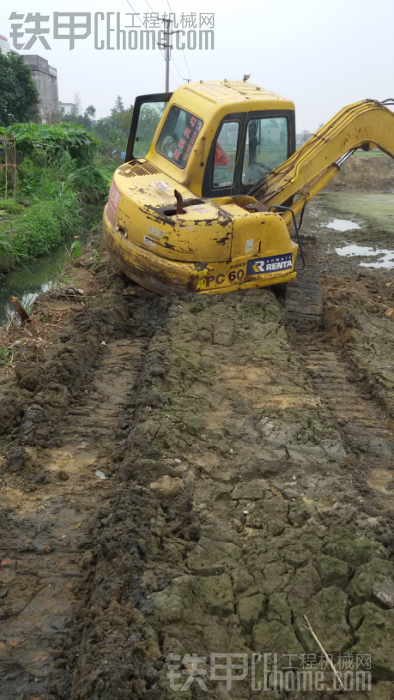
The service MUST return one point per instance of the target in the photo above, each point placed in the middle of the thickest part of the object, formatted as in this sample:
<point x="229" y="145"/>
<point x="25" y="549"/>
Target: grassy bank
<point x="50" y="205"/>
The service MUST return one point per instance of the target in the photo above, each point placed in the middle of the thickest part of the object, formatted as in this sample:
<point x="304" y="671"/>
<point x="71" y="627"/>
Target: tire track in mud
<point x="249" y="516"/>
<point x="51" y="489"/>
<point x="231" y="509"/>
<point x="54" y="516"/>
<point x="367" y="429"/>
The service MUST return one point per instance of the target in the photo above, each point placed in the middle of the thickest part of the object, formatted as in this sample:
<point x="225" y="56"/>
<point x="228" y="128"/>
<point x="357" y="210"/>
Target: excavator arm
<point x="367" y="124"/>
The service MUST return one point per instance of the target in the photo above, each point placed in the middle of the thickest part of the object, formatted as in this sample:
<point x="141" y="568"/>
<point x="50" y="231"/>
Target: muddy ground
<point x="196" y="477"/>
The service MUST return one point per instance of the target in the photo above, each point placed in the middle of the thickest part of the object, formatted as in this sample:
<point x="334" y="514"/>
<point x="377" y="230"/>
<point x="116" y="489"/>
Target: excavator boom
<point x="367" y="124"/>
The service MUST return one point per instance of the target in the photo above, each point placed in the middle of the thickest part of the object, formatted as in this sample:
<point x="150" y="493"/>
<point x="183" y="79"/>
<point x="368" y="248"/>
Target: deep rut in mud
<point x="248" y="484"/>
<point x="67" y="489"/>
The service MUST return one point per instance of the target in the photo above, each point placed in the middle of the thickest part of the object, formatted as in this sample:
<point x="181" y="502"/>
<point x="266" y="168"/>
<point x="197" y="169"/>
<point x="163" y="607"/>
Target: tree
<point x="85" y="119"/>
<point x="113" y="131"/>
<point x="76" y="109"/>
<point x="90" y="112"/>
<point x="119" y="106"/>
<point x="18" y="94"/>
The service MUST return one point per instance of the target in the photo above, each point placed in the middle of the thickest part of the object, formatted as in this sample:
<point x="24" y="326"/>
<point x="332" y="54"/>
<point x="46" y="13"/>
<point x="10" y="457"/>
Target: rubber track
<point x="303" y="297"/>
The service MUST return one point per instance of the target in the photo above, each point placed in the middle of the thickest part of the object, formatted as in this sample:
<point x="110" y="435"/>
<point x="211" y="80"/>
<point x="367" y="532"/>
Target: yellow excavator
<point x="212" y="184"/>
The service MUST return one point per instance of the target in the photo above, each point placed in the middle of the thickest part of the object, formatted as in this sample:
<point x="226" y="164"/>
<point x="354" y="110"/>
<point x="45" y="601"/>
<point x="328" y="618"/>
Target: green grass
<point x="6" y="357"/>
<point x="370" y="154"/>
<point x="55" y="191"/>
<point x="10" y="206"/>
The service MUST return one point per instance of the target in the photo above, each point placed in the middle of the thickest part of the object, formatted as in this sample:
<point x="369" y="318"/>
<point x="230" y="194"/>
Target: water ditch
<point x="40" y="274"/>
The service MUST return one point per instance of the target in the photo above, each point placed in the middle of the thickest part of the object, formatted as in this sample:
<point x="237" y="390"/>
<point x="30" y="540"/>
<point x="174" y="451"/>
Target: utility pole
<point x="167" y="47"/>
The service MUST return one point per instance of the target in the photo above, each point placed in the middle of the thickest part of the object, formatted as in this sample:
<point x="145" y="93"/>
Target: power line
<point x="172" y="76"/>
<point x="176" y="68"/>
<point x="183" y="50"/>
<point x="129" y="3"/>
<point x="165" y="47"/>
<point x="184" y="56"/>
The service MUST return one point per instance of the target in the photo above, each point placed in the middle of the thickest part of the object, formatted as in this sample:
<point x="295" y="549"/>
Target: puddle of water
<point x="376" y="209"/>
<point x="26" y="283"/>
<point x="386" y="256"/>
<point x="342" y="225"/>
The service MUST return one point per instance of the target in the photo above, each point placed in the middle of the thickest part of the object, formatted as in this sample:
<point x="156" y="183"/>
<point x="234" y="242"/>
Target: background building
<point x="5" y="45"/>
<point x="66" y="107"/>
<point x="45" y="78"/>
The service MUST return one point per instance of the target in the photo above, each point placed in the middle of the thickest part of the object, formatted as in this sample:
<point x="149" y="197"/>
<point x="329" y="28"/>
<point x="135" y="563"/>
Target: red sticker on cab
<point x="113" y="202"/>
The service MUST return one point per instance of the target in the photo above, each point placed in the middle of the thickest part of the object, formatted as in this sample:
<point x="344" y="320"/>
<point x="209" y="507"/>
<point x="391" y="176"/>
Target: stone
<point x="16" y="459"/>
<point x="275" y="577"/>
<point x="167" y="486"/>
<point x="333" y="572"/>
<point x="63" y="475"/>
<point x="209" y="554"/>
<point x="297" y="556"/>
<point x="304" y="586"/>
<point x="361" y="587"/>
<point x="242" y="580"/>
<point x="327" y="616"/>
<point x="383" y="592"/>
<point x="306" y="455"/>
<point x="354" y="548"/>
<point x="250" y="610"/>
<point x="290" y="493"/>
<point x="36" y="414"/>
<point x="299" y="514"/>
<point x="223" y="334"/>
<point x="278" y="609"/>
<point x="272" y="637"/>
<point x="169" y="605"/>
<point x="59" y="623"/>
<point x="375" y="637"/>
<point x="374" y="580"/>
<point x="270" y="454"/>
<point x="276" y="527"/>
<point x="214" y="594"/>
<point x="357" y="614"/>
<point x="251" y="491"/>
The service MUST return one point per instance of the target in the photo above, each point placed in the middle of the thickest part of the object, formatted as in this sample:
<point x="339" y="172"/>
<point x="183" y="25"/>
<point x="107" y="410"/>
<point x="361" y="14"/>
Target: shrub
<point x="10" y="206"/>
<point x="54" y="138"/>
<point x="45" y="224"/>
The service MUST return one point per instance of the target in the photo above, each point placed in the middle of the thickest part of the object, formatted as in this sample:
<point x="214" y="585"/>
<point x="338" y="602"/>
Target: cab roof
<point x="237" y="91"/>
<point x="218" y="97"/>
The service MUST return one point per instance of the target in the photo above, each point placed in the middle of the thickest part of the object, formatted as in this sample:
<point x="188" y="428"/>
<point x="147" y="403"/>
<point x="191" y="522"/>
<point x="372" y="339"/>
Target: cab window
<point x="178" y="136"/>
<point x="225" y="155"/>
<point x="149" y="117"/>
<point x="266" y="146"/>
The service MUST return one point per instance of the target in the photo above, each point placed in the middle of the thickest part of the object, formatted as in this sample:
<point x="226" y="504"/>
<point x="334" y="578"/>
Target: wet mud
<point x="194" y="477"/>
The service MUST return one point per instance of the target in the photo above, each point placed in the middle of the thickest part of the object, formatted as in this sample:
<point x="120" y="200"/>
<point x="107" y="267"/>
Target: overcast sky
<point x="322" y="54"/>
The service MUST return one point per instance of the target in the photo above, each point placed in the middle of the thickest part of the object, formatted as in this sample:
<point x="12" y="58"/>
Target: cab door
<point x="148" y="110"/>
<point x="246" y="148"/>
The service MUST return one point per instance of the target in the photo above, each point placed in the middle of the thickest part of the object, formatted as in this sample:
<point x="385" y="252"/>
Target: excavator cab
<point x="179" y="217"/>
<point x="245" y="149"/>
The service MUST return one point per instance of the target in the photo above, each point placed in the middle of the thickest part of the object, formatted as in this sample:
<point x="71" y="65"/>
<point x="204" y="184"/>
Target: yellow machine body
<point x="206" y="249"/>
<point x="221" y="243"/>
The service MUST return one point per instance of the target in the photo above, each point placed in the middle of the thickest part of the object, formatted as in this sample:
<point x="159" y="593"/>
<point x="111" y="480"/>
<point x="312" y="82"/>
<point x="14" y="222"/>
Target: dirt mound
<point x="368" y="174"/>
